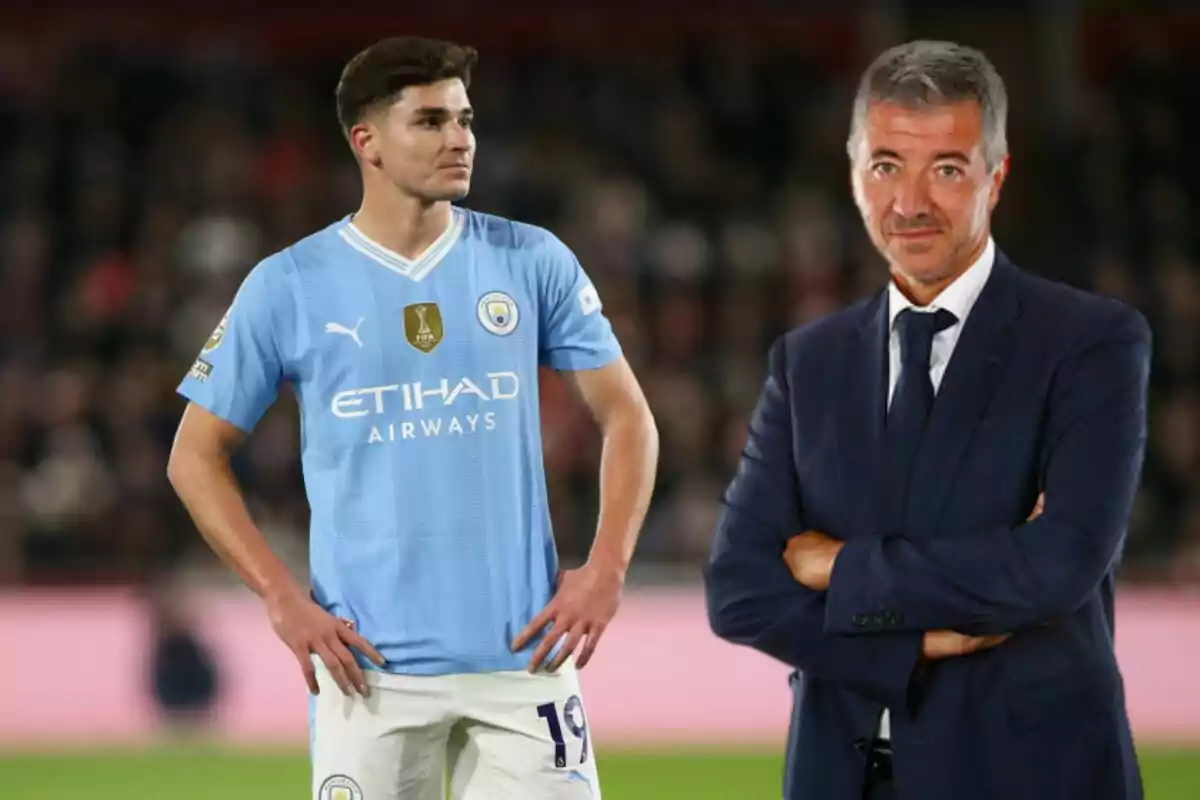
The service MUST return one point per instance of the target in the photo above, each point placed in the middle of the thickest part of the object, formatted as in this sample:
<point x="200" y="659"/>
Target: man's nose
<point x="912" y="197"/>
<point x="458" y="137"/>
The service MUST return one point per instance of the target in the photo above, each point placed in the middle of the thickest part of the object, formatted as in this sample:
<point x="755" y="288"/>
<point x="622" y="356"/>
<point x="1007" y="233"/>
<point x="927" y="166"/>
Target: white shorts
<point x="485" y="736"/>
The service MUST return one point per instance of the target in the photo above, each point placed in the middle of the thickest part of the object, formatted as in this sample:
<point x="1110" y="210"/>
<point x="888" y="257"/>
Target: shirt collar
<point x="958" y="298"/>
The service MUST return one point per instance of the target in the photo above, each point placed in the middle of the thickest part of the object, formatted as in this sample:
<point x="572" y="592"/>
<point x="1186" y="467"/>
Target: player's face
<point x="924" y="190"/>
<point x="424" y="143"/>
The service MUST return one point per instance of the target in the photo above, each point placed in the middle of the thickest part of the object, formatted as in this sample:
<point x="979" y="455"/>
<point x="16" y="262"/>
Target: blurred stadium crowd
<point x="703" y="188"/>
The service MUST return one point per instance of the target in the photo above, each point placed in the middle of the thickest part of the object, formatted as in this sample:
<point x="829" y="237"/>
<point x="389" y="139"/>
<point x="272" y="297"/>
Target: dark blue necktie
<point x="910" y="406"/>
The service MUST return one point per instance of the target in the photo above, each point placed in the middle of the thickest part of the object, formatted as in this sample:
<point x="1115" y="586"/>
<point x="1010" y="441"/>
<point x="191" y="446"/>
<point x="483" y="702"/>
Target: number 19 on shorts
<point x="574" y="720"/>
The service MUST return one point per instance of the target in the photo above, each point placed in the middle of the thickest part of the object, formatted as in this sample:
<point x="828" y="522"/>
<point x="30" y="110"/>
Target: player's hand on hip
<point x="306" y="628"/>
<point x="584" y="604"/>
<point x="949" y="644"/>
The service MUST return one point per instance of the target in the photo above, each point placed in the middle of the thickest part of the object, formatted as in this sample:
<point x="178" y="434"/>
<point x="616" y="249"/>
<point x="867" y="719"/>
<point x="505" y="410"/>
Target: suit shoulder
<point x="822" y="333"/>
<point x="1080" y="312"/>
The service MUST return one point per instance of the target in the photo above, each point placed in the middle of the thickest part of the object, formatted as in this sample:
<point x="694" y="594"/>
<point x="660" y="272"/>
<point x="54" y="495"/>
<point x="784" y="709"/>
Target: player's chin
<point x="451" y="189"/>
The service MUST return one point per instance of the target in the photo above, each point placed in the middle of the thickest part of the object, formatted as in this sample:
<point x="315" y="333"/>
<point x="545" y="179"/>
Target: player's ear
<point x="365" y="141"/>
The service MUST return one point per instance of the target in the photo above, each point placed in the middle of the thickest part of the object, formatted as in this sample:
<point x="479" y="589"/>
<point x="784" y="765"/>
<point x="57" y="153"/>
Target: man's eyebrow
<point x="441" y="111"/>
<point x="952" y="155"/>
<point x="942" y="155"/>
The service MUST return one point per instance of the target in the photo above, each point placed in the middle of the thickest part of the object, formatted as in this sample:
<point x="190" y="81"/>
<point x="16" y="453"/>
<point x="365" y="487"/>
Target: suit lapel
<point x="962" y="400"/>
<point x="860" y="415"/>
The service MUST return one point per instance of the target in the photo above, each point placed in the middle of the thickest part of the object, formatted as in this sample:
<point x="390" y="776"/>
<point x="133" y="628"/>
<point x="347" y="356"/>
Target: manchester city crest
<point x="340" y="787"/>
<point x="498" y="313"/>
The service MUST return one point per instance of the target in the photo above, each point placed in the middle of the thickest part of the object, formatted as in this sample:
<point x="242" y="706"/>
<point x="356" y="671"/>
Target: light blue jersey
<point x="421" y="435"/>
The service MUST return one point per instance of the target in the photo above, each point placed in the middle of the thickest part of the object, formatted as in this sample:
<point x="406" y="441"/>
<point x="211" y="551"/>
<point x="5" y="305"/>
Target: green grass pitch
<point x="204" y="773"/>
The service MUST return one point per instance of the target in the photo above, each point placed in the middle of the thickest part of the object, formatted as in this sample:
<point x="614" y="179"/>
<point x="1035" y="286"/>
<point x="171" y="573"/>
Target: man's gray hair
<point x="923" y="74"/>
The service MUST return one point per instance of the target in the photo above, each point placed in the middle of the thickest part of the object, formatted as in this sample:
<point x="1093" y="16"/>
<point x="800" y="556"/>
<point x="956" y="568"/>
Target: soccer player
<point x="412" y="332"/>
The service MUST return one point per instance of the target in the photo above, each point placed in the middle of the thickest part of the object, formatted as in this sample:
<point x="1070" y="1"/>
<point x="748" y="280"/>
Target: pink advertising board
<point x="72" y="671"/>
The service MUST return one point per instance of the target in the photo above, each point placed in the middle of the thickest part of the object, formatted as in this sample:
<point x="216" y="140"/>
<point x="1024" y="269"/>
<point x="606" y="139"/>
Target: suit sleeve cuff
<point x="859" y="600"/>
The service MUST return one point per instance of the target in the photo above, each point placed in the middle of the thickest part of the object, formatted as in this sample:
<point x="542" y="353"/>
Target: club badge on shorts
<point x="498" y="313"/>
<point x="340" y="787"/>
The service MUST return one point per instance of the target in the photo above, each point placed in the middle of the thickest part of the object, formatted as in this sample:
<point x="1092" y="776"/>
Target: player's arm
<point x="577" y="340"/>
<point x="587" y="598"/>
<point x="628" y="460"/>
<point x="200" y="473"/>
<point x="233" y="382"/>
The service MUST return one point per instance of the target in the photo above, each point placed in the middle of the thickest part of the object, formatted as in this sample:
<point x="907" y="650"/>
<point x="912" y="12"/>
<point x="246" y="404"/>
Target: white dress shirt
<point x="958" y="298"/>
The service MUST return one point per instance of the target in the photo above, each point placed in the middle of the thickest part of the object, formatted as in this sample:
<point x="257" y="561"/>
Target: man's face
<point x="923" y="187"/>
<point x="422" y="142"/>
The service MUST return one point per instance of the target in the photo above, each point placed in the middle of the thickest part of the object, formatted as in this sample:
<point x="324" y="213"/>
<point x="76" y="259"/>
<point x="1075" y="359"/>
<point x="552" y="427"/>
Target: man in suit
<point x="936" y="485"/>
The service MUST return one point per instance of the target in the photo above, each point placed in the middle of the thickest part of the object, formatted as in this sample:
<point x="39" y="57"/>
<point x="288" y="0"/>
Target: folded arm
<point x="753" y="599"/>
<point x="1000" y="578"/>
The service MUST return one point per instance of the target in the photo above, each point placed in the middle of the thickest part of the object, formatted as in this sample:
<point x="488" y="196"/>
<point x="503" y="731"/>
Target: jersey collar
<point x="414" y="269"/>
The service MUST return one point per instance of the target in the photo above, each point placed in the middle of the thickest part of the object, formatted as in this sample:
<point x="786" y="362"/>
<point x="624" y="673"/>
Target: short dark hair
<point x="378" y="74"/>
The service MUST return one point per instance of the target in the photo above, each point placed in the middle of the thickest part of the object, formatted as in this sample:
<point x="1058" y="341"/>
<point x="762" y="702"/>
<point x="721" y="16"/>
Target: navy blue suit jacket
<point x="1046" y="390"/>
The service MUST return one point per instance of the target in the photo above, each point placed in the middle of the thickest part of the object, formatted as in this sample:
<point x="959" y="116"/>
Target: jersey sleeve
<point x="574" y="333"/>
<point x="239" y="369"/>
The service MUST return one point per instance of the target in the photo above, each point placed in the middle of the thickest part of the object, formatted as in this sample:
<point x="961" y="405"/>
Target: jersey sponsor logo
<point x="218" y="334"/>
<point x="421" y="396"/>
<point x="340" y="787"/>
<point x="498" y="313"/>
<point x="433" y="427"/>
<point x="423" y="326"/>
<point x="589" y="300"/>
<point x="200" y="370"/>
<point x="426" y="398"/>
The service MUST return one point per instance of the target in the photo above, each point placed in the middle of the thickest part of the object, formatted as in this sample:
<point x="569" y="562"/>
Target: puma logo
<point x="333" y="327"/>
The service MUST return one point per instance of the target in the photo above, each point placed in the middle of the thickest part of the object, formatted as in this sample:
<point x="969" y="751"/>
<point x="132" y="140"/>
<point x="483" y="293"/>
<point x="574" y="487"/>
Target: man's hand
<point x="949" y="644"/>
<point x="307" y="628"/>
<point x="584" y="604"/>
<point x="810" y="556"/>
<point x="1038" y="508"/>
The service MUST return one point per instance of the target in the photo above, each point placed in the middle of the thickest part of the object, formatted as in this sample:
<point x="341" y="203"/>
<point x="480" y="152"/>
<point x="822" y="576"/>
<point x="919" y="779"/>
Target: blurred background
<point x="693" y="157"/>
